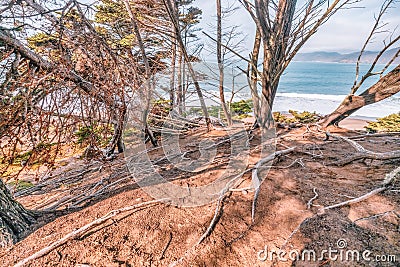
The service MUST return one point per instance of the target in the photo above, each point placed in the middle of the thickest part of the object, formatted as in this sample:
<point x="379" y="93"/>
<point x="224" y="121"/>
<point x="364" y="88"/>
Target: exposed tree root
<point x="166" y="247"/>
<point x="375" y="216"/>
<point x="369" y="155"/>
<point x="362" y="152"/>
<point x="310" y="202"/>
<point x="232" y="184"/>
<point x="375" y="135"/>
<point x="256" y="180"/>
<point x="389" y="180"/>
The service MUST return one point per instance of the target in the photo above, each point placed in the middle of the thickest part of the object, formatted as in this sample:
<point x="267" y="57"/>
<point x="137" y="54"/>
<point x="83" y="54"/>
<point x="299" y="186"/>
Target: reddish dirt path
<point x="160" y="235"/>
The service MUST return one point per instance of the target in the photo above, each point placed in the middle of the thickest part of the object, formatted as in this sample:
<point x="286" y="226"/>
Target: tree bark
<point x="221" y="64"/>
<point x="173" y="71"/>
<point x="179" y="93"/>
<point x="138" y="36"/>
<point x="169" y="7"/>
<point x="284" y="30"/>
<point x="275" y="40"/>
<point x="252" y="80"/>
<point x="15" y="220"/>
<point x="386" y="87"/>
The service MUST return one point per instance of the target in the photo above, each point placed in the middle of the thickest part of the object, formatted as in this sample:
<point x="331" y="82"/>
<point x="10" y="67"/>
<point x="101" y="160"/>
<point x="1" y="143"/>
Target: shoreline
<point x="353" y="123"/>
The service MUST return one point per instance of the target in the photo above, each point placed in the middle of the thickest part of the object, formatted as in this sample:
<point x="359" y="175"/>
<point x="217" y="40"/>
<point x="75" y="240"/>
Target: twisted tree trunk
<point x="386" y="87"/>
<point x="15" y="220"/>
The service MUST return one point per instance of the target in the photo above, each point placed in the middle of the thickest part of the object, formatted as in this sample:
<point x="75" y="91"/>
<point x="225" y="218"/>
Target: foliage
<point x="390" y="123"/>
<point x="23" y="157"/>
<point x="130" y="132"/>
<point x="41" y="40"/>
<point x="280" y="118"/>
<point x="86" y="133"/>
<point x="303" y="117"/>
<point x="242" y="116"/>
<point x="162" y="103"/>
<point x="161" y="108"/>
<point x="93" y="134"/>
<point x="241" y="107"/>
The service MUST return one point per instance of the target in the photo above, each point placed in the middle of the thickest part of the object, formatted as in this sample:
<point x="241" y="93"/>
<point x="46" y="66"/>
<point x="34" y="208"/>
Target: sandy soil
<point x="353" y="124"/>
<point x="163" y="234"/>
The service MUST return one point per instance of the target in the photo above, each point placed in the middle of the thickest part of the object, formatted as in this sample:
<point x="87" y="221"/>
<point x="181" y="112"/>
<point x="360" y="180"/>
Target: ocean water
<point x="310" y="86"/>
<point x="320" y="87"/>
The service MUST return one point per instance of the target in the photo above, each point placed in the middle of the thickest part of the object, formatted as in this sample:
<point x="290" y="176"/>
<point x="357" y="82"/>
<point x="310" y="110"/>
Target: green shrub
<point x="23" y="157"/>
<point x="280" y="118"/>
<point x="389" y="123"/>
<point x="305" y="116"/>
<point x="239" y="109"/>
<point x="242" y="107"/>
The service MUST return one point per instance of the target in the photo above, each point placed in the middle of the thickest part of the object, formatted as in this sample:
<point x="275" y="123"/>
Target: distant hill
<point x="368" y="57"/>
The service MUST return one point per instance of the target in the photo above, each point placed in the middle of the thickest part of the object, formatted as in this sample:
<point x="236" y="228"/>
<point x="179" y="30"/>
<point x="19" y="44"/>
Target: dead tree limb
<point x="368" y="155"/>
<point x="354" y="144"/>
<point x="375" y="135"/>
<point x="387" y="86"/>
<point x="374" y="216"/>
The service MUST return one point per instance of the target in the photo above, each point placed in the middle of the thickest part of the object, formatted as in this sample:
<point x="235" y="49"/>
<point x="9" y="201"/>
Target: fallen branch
<point x="375" y="135"/>
<point x="81" y="231"/>
<point x="295" y="231"/>
<point x="296" y="161"/>
<point x="215" y="219"/>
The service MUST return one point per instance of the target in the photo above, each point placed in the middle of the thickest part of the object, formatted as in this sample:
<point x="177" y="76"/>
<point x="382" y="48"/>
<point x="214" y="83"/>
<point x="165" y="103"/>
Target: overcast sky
<point x="345" y="32"/>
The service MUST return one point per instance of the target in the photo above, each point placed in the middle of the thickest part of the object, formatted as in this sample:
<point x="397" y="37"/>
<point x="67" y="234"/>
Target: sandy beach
<point x="354" y="124"/>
